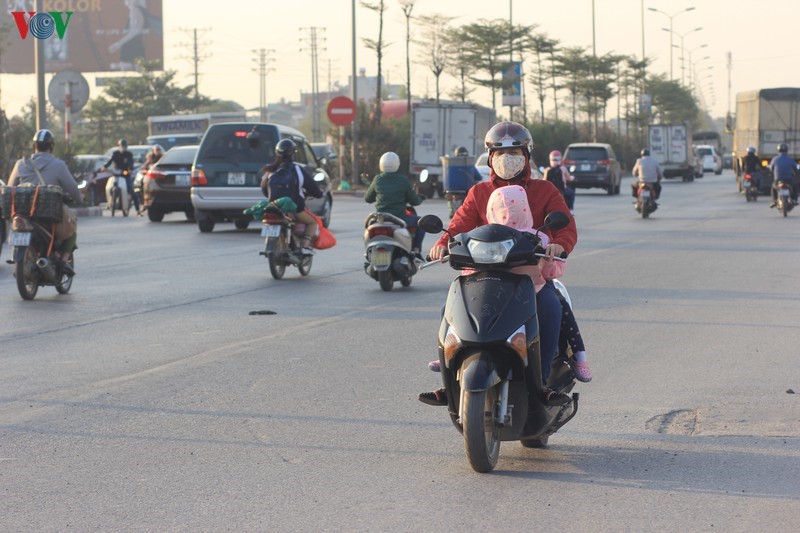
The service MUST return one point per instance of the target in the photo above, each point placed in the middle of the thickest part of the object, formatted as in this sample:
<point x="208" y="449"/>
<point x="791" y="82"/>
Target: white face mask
<point x="506" y="166"/>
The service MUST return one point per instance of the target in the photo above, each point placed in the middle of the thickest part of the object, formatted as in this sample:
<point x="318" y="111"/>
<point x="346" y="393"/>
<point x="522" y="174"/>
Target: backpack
<point x="553" y="175"/>
<point x="285" y="182"/>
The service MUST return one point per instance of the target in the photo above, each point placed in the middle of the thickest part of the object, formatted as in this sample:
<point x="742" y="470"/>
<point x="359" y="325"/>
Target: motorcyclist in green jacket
<point x="391" y="191"/>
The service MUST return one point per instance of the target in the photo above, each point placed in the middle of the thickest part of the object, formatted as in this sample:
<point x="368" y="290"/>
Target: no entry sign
<point x="341" y="111"/>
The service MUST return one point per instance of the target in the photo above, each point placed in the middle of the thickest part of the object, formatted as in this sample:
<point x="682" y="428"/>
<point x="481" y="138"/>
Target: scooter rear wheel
<point x="24" y="260"/>
<point x="385" y="280"/>
<point x="276" y="266"/>
<point x="481" y="432"/>
<point x="305" y="265"/>
<point x="66" y="281"/>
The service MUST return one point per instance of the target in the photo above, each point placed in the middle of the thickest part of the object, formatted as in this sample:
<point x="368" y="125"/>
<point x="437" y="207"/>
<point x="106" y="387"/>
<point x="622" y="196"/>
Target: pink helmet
<point x="555" y="155"/>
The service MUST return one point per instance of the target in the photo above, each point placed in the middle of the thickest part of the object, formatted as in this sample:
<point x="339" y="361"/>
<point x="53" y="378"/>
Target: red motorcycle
<point x="750" y="187"/>
<point x="645" y="199"/>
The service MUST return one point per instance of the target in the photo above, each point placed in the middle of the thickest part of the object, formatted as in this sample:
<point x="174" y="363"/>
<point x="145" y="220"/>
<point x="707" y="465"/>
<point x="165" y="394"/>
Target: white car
<point x="482" y="164"/>
<point x="712" y="161"/>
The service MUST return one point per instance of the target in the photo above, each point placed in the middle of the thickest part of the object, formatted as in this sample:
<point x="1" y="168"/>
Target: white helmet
<point x="390" y="162"/>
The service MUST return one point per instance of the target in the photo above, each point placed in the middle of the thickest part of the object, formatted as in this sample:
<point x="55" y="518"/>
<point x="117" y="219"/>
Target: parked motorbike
<point x="784" y="202"/>
<point x="645" y="200"/>
<point x="387" y="250"/>
<point x="117" y="193"/>
<point x="750" y="187"/>
<point x="489" y="343"/>
<point x="35" y="264"/>
<point x="282" y="243"/>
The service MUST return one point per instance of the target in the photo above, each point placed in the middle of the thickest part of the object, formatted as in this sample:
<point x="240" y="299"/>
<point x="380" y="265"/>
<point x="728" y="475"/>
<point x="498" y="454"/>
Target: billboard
<point x="81" y="35"/>
<point x="512" y="83"/>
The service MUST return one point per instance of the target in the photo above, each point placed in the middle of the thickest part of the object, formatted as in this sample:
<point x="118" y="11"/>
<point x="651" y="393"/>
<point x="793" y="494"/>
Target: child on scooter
<point x="509" y="206"/>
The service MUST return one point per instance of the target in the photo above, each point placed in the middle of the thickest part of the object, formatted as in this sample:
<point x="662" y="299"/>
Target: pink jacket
<point x="509" y="206"/>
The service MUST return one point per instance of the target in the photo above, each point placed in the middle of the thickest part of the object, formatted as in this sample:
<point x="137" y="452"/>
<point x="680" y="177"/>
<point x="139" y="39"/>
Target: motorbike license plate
<point x="236" y="178"/>
<point x="646" y="193"/>
<point x="182" y="180"/>
<point x="381" y="259"/>
<point x="270" y="231"/>
<point x="784" y="192"/>
<point x="20" y="238"/>
<point x="746" y="184"/>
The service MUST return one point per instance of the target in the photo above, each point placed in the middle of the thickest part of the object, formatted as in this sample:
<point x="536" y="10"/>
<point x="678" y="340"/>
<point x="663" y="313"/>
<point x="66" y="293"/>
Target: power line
<point x="312" y="41"/>
<point x="262" y="61"/>
<point x="196" y="57"/>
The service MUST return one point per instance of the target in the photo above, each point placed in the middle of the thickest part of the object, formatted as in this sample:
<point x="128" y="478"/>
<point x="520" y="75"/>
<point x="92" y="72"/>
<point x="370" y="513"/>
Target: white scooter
<point x="117" y="195"/>
<point x="387" y="255"/>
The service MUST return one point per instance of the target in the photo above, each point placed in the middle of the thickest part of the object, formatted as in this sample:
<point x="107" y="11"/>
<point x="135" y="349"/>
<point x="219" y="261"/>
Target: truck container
<point x="670" y="145"/>
<point x="437" y="130"/>
<point x="764" y="119"/>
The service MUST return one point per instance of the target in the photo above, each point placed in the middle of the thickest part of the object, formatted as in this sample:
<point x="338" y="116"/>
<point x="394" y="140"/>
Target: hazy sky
<point x="760" y="35"/>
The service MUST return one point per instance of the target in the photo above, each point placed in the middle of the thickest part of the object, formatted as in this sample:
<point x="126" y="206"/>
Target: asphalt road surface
<point x="149" y="398"/>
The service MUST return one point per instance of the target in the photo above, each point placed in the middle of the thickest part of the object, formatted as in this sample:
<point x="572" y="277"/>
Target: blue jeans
<point x="569" y="197"/>
<point x="411" y="221"/>
<point x="549" y="310"/>
<point x="129" y="183"/>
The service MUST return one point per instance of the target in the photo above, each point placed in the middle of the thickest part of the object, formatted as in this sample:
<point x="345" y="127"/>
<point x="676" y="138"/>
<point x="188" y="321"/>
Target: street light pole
<point x="683" y="50"/>
<point x="670" y="17"/>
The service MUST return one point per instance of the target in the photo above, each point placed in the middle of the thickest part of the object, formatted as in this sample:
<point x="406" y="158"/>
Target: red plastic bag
<point x="325" y="238"/>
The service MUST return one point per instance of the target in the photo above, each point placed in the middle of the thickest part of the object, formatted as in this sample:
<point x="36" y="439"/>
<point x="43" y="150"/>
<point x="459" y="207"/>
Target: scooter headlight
<point x="518" y="341"/>
<point x="451" y="344"/>
<point x="489" y="252"/>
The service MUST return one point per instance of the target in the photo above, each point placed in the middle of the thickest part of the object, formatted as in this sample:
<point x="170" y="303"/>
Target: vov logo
<point x="42" y="25"/>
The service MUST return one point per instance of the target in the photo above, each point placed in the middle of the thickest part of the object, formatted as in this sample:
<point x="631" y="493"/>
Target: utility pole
<point x="195" y="58"/>
<point x="312" y="40"/>
<point x="262" y="61"/>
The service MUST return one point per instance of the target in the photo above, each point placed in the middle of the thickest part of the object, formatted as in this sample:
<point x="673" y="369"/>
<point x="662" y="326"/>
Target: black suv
<point x="226" y="177"/>
<point x="593" y="165"/>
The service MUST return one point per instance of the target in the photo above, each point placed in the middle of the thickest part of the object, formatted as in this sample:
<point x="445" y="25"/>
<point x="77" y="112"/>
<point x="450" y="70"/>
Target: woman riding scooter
<point x="391" y="191"/>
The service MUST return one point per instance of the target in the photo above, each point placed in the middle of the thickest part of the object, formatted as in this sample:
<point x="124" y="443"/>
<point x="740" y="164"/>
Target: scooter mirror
<point x="423" y="176"/>
<point x="556" y="220"/>
<point x="431" y="224"/>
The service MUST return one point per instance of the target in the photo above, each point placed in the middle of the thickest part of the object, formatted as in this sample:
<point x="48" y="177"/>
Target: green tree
<point x="672" y="103"/>
<point x="541" y="46"/>
<point x="486" y="48"/>
<point x="128" y="101"/>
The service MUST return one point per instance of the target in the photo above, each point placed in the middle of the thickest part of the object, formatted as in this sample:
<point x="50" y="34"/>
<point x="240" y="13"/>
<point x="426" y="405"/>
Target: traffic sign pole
<point x="67" y="112"/>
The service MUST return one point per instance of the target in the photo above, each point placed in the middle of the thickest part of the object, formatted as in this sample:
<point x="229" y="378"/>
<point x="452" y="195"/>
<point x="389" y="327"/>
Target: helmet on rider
<point x="783" y="148"/>
<point x="555" y="157"/>
<point x="158" y="149"/>
<point x="122" y="143"/>
<point x="460" y="151"/>
<point x="43" y="141"/>
<point x="285" y="149"/>
<point x="505" y="136"/>
<point x="751" y="149"/>
<point x="645" y="152"/>
<point x="390" y="162"/>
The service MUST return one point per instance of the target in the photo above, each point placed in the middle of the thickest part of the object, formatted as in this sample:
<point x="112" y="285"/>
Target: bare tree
<point x="378" y="46"/>
<point x="541" y="45"/>
<point x="434" y="45"/>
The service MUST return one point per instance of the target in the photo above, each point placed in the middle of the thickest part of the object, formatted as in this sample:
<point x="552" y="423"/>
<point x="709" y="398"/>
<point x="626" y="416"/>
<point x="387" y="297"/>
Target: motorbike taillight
<point x="381" y="231"/>
<point x="272" y="218"/>
<point x="21" y="224"/>
<point x="748" y="176"/>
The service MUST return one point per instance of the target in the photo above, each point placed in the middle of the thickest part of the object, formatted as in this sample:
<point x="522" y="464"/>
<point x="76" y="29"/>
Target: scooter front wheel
<point x="65" y="284"/>
<point x="481" y="430"/>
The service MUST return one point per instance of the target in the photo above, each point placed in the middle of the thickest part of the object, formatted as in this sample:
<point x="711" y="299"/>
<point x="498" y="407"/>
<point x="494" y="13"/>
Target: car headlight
<point x="489" y="252"/>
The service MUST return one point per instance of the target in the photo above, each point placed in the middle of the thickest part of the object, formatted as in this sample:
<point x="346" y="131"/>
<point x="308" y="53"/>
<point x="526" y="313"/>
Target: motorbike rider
<point x="510" y="145"/>
<point x="152" y="157"/>
<point x="647" y="170"/>
<point x="52" y="171"/>
<point x="122" y="160"/>
<point x="559" y="176"/>
<point x="751" y="164"/>
<point x="285" y="178"/>
<point x="784" y="169"/>
<point x="391" y="191"/>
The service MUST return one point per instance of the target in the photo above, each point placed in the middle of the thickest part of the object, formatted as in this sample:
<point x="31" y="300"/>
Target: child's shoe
<point x="581" y="371"/>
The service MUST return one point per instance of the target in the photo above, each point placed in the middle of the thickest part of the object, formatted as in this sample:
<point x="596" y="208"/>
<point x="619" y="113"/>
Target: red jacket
<point x="543" y="198"/>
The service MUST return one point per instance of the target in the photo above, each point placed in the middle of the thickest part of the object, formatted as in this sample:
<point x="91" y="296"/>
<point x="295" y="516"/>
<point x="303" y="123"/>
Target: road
<point x="151" y="399"/>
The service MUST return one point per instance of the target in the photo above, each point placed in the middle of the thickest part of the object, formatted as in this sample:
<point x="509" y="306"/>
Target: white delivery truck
<point x="438" y="129"/>
<point x="180" y="130"/>
<point x="671" y="146"/>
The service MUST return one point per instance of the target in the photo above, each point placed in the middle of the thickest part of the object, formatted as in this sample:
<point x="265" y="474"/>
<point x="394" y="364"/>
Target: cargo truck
<point x="438" y="129"/>
<point x="764" y="119"/>
<point x="670" y="145"/>
<point x="180" y="130"/>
